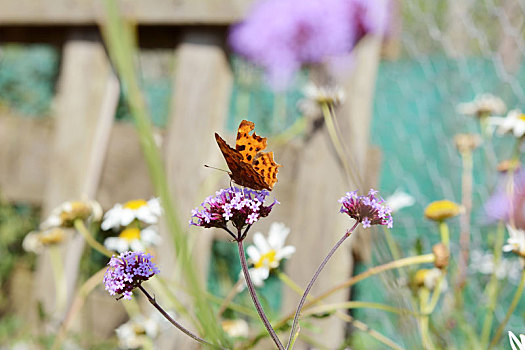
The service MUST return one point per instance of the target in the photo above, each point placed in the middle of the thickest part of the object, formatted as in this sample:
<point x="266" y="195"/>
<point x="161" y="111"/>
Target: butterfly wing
<point x="249" y="145"/>
<point x="242" y="172"/>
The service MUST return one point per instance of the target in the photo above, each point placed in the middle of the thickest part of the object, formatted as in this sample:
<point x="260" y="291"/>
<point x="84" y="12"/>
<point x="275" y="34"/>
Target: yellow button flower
<point x="442" y="210"/>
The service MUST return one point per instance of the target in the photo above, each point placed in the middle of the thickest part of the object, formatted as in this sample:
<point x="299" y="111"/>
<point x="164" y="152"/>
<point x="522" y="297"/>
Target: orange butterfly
<point x="249" y="166"/>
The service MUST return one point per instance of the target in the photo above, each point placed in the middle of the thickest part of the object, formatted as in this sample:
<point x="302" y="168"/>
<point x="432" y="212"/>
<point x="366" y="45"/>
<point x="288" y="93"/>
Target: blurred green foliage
<point x="27" y="78"/>
<point x="15" y="222"/>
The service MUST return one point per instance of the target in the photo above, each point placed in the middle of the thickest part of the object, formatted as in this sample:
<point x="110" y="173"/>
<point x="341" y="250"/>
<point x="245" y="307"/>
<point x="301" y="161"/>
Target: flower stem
<point x="314" y="278"/>
<point x="424" y="295"/>
<point x="512" y="307"/>
<point x="80" y="227"/>
<point x="492" y="288"/>
<point x="396" y="264"/>
<point x="172" y="321"/>
<point x="253" y="294"/>
<point x="77" y="304"/>
<point x="232" y="294"/>
<point x="332" y="131"/>
<point x="341" y="315"/>
<point x="413" y="260"/>
<point x="445" y="233"/>
<point x="60" y="279"/>
<point x="466" y="201"/>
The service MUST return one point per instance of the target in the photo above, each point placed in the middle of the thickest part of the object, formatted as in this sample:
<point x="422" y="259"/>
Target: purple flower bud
<point x="368" y="210"/>
<point x="127" y="271"/>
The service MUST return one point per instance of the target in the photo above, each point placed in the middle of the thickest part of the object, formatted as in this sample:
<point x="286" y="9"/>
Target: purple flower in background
<point x="369" y="210"/>
<point x="281" y="35"/>
<point x="509" y="207"/>
<point x="127" y="271"/>
<point x="240" y="206"/>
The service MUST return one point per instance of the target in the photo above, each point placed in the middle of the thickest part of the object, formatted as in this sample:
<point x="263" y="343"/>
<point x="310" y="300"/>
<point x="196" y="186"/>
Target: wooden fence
<point x="81" y="151"/>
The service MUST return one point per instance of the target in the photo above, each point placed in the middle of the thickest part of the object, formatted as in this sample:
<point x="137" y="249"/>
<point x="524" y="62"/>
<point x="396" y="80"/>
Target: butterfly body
<point x="248" y="165"/>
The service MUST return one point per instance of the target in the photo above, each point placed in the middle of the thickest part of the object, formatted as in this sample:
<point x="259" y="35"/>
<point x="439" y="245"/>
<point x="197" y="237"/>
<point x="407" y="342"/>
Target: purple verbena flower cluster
<point x="127" y="271"/>
<point x="240" y="206"/>
<point x="281" y="35"/>
<point x="368" y="210"/>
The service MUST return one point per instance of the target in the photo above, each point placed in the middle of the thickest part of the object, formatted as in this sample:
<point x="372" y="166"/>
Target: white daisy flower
<point x="139" y="209"/>
<point x="266" y="254"/>
<point x="513" y="123"/>
<point x="399" y="200"/>
<point x="483" y="262"/>
<point x="65" y="214"/>
<point x="483" y="105"/>
<point x="134" y="239"/>
<point x="516" y="243"/>
<point x="324" y="94"/>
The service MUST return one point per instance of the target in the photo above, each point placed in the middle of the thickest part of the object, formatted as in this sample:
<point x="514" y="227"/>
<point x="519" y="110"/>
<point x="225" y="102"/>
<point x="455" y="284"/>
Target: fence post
<point x="87" y="97"/>
<point x="320" y="182"/>
<point x="200" y="102"/>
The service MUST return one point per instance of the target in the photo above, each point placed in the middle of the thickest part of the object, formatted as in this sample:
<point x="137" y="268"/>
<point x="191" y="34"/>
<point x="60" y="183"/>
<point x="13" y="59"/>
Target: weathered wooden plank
<point x="87" y="97"/>
<point x="87" y="12"/>
<point x="25" y="152"/>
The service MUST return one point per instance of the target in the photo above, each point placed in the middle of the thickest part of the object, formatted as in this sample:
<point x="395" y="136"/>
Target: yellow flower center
<point x="135" y="204"/>
<point x="441" y="210"/>
<point x="269" y="257"/>
<point x="522" y="117"/>
<point x="130" y="234"/>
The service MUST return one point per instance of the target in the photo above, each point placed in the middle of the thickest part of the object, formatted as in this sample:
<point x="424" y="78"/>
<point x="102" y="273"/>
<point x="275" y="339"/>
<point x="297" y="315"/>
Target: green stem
<point x="358" y="305"/>
<point x="424" y="295"/>
<point x="229" y="298"/>
<point x="332" y="131"/>
<point x="312" y="281"/>
<point x="76" y="306"/>
<point x="60" y="279"/>
<point x="82" y="229"/>
<point x="492" y="288"/>
<point x="343" y="316"/>
<point x="396" y="264"/>
<point x="392" y="246"/>
<point x="445" y="233"/>
<point x="121" y="46"/>
<point x="512" y="307"/>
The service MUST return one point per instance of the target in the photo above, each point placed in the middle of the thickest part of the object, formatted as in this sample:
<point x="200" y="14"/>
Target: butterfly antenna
<point x="212" y="167"/>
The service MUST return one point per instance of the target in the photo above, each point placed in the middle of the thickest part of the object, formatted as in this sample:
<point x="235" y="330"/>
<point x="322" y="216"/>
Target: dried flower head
<point x="467" y="142"/>
<point x="147" y="212"/>
<point x="442" y="255"/>
<point x="508" y="165"/>
<point x="513" y="123"/>
<point x="332" y="95"/>
<point x="429" y="278"/>
<point x="66" y="214"/>
<point x="368" y="210"/>
<point x="127" y="271"/>
<point x="35" y="241"/>
<point x="240" y="206"/>
<point x="236" y="328"/>
<point x="442" y="210"/>
<point x="483" y="105"/>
